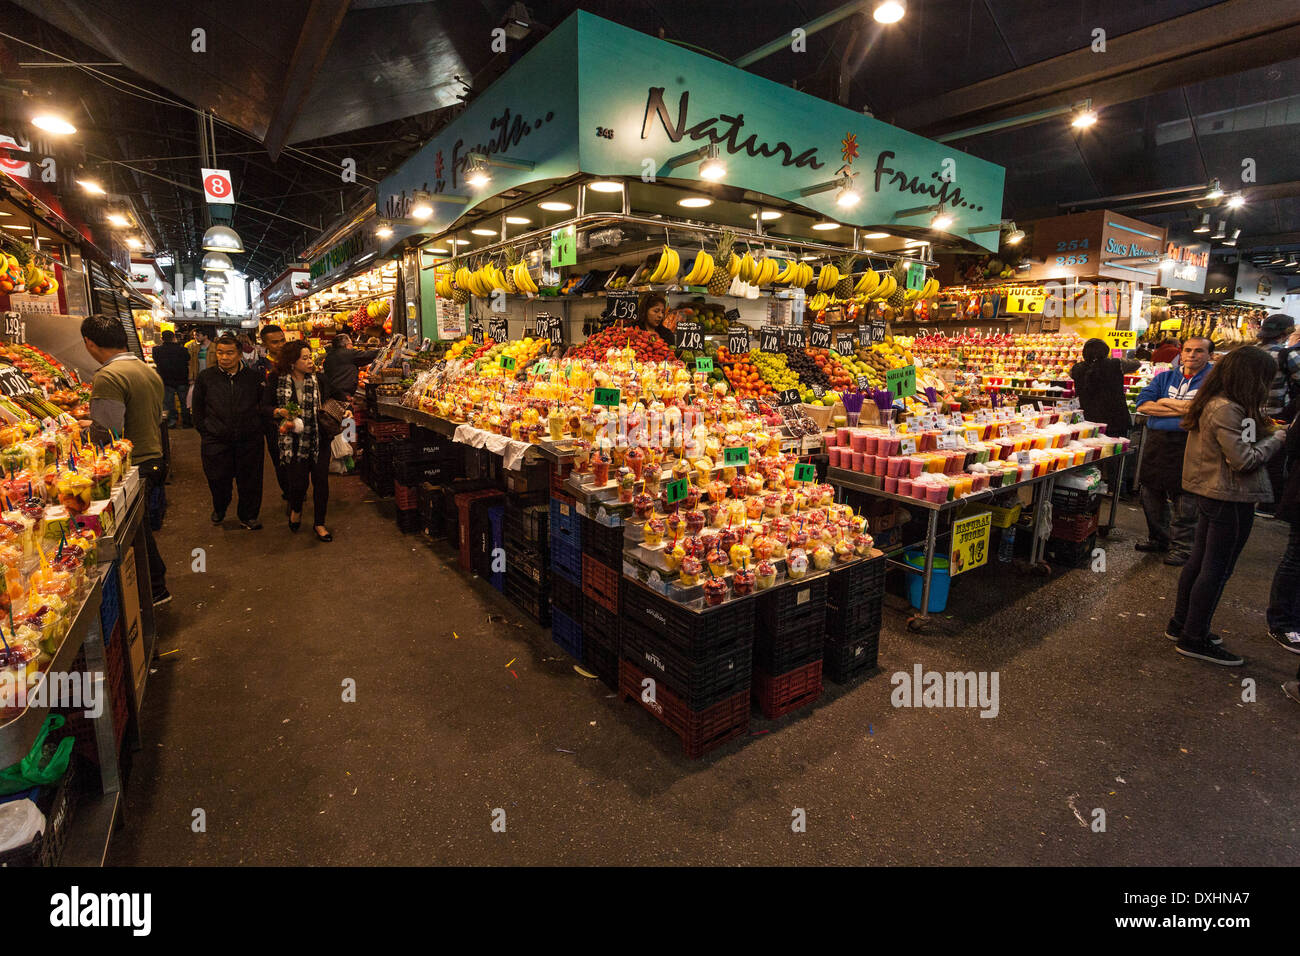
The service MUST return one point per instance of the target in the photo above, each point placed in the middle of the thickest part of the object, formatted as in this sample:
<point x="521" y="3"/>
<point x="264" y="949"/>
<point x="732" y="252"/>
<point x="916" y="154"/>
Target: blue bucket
<point x="939" y="579"/>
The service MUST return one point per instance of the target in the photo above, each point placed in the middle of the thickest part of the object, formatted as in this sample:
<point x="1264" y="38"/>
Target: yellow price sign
<point x="1121" y="340"/>
<point x="1025" y="300"/>
<point x="970" y="542"/>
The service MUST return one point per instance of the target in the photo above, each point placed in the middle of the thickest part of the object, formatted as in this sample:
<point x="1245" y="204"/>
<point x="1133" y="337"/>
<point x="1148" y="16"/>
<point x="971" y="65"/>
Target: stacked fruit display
<point x="648" y="346"/>
<point x="775" y="370"/>
<point x="517" y="355"/>
<point x="743" y="374"/>
<point x="837" y="373"/>
<point x="20" y="273"/>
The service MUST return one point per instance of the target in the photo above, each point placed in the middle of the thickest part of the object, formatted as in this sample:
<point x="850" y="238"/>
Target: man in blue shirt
<point x="1164" y="402"/>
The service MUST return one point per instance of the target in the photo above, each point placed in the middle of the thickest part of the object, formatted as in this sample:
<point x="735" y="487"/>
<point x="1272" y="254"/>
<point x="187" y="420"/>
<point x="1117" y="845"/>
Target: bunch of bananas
<point x="701" y="271"/>
<point x="765" y="270"/>
<point x="796" y="274"/>
<point x="379" y="309"/>
<point x="443" y="286"/>
<point x="927" y="291"/>
<point x="820" y="301"/>
<point x="827" y="277"/>
<point x="522" y="278"/>
<point x="666" y="268"/>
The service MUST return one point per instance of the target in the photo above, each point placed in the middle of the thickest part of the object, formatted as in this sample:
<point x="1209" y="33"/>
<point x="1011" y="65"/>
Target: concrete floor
<point x="245" y="720"/>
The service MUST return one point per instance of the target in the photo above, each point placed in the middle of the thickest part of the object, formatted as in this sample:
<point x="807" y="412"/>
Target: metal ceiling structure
<point x="1186" y="91"/>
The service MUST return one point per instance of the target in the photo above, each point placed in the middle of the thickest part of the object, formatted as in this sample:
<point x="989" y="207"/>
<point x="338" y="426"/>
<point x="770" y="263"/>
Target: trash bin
<point x="938" y="580"/>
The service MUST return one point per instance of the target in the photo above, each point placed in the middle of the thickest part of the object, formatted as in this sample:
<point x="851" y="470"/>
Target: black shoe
<point x="1212" y="653"/>
<point x="1288" y="639"/>
<point x="253" y="525"/>
<point x="1292" y="689"/>
<point x="1155" y="546"/>
<point x="324" y="537"/>
<point x="218" y="517"/>
<point x="162" y="597"/>
<point x="295" y="525"/>
<point x="1214" y="638"/>
<point x="1176" y="560"/>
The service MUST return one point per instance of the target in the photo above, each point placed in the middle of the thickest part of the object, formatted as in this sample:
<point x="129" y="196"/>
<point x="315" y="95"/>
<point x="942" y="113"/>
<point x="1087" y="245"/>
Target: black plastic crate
<point x="599" y="620"/>
<point x="860" y="581"/>
<point x="382" y="485"/>
<point x="1071" y="554"/>
<point x="695" y="633"/>
<point x="792" y="607"/>
<point x="533" y="565"/>
<point x="1074" y="501"/>
<point x="699" y="682"/>
<point x="856" y="620"/>
<point x="409" y="520"/>
<point x="602" y="542"/>
<point x="413" y="472"/>
<point x="529" y="598"/>
<point x="567" y="633"/>
<point x="846" y="661"/>
<point x="600" y="658"/>
<point x="426" y="445"/>
<point x="566" y="595"/>
<point x="429" y="503"/>
<point x="791" y="649"/>
<point x="529" y="522"/>
<point x="58" y="803"/>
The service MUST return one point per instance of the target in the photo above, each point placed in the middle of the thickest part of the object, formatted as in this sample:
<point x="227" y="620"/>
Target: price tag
<point x="901" y="381"/>
<point x="970" y="542"/>
<point x="947" y="442"/>
<point x="564" y="247"/>
<point x="507" y="362"/>
<point x="1002" y="431"/>
<point x="736" y="456"/>
<point x="690" y="335"/>
<point x="844" y="343"/>
<point x="499" y="330"/>
<point x="1022" y="458"/>
<point x="769" y="339"/>
<point x="805" y="472"/>
<point x="794" y="338"/>
<point x="737" y="340"/>
<point x="915" y="275"/>
<point x="879" y="329"/>
<point x="818" y="391"/>
<point x="907" y="446"/>
<point x="620" y="306"/>
<point x="476" y="334"/>
<point x="609" y="397"/>
<point x="788" y="397"/>
<point x="552" y="328"/>
<point x="864" y="383"/>
<point x="1027" y="410"/>
<point x="1120" y="339"/>
<point x="821" y="336"/>
<point x="704" y="365"/>
<point x="13" y="382"/>
<point x="675" y="491"/>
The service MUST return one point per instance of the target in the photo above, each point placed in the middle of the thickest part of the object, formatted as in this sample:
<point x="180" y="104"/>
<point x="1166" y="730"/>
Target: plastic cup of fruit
<point x="796" y="565"/>
<point x="740" y="555"/>
<point x="862" y="544"/>
<point x="673" y="556"/>
<point x="654" y="532"/>
<point x="753" y="508"/>
<point x="691" y="568"/>
<point x="18" y="663"/>
<point x="843" y="551"/>
<point x="715" y="591"/>
<point x="692" y="497"/>
<point x="694" y="522"/>
<point x="717" y="559"/>
<point x="764" y="575"/>
<point x="742" y="582"/>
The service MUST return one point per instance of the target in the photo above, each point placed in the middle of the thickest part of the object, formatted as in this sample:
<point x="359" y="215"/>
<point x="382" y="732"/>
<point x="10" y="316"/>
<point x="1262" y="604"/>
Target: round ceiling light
<point x="876" y="235"/>
<point x="606" y="186"/>
<point x="554" y="205"/>
<point x="768" y="215"/>
<point x="695" y="202"/>
<point x="484" y="232"/>
<point x="217" y="262"/>
<point x="222" y="239"/>
<point x="823" y="226"/>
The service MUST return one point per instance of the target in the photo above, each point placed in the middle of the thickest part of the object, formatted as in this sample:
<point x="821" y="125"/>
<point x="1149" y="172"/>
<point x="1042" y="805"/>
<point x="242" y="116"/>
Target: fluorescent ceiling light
<point x="53" y="123"/>
<point x="1083" y="119"/>
<point x="116" y="219"/>
<point x="438" y="252"/>
<point x="459" y="242"/>
<point x="554" y="205"/>
<point x="768" y="215"/>
<point x="484" y="232"/>
<point x="10" y="225"/>
<point x="92" y="187"/>
<point x="889" y="11"/>
<point x="606" y="186"/>
<point x="876" y="235"/>
<point x="517" y="221"/>
<point x="695" y="202"/>
<point x="823" y="226"/>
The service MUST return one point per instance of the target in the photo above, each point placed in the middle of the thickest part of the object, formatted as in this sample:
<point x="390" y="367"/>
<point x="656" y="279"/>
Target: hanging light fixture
<point x="214" y="278"/>
<point x="477" y="175"/>
<point x="1215" y="191"/>
<point x="222" y="239"/>
<point x="1221" y="231"/>
<point x="217" y="262"/>
<point x="1205" y="223"/>
<point x="1232" y="240"/>
<point x="1015" y="236"/>
<point x="713" y="168"/>
<point x="53" y="123"/>
<point x="421" y="204"/>
<point x="384" y="231"/>
<point x="92" y="187"/>
<point x="942" y="220"/>
<point x="889" y="11"/>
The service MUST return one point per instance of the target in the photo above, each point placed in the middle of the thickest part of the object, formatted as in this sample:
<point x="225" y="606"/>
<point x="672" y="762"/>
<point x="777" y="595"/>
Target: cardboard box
<point x="131" y="626"/>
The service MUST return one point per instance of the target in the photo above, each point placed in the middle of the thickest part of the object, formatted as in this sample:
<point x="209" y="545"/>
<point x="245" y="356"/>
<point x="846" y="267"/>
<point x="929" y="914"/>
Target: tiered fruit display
<point x="743" y="374"/>
<point x="648" y="346"/>
<point x="712" y="316"/>
<point x="875" y="361"/>
<point x="837" y="375"/>
<point x="20" y="273"/>
<point x="524" y="352"/>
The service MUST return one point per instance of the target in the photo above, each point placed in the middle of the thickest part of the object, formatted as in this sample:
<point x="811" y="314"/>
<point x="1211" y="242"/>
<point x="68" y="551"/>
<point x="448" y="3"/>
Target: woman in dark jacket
<point x="1099" y="383"/>
<point x="1284" y="598"/>
<point x="651" y="311"/>
<point x="292" y="398"/>
<point x="342" y="366"/>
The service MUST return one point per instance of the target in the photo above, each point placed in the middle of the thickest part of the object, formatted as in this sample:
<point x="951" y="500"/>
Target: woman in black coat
<point x="1283" y="614"/>
<point x="1099" y="385"/>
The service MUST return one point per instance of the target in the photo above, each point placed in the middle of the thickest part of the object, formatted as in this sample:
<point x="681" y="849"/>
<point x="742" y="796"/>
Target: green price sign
<point x="704" y="365"/>
<point x="915" y="275"/>
<point x="901" y="381"/>
<point x="805" y="472"/>
<point x="564" y="247"/>
<point x="609" y="397"/>
<point x="507" y="362"/>
<point x="675" y="491"/>
<point x="736" y="456"/>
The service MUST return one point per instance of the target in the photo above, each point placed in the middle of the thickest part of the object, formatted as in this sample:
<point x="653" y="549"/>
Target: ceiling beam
<point x="319" y="27"/>
<point x="1220" y="40"/>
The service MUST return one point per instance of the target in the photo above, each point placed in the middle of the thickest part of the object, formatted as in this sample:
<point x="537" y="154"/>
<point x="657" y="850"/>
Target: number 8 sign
<point x="216" y="186"/>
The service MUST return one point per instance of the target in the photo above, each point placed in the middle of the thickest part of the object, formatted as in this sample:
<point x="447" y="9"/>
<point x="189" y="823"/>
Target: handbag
<point x="332" y="413"/>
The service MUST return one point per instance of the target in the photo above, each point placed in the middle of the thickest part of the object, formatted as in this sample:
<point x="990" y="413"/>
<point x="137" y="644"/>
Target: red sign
<point x="216" y="186"/>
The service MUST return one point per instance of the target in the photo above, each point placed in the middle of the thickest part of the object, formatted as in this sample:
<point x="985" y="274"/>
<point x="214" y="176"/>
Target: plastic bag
<point x="339" y="447"/>
<point x="29" y="772"/>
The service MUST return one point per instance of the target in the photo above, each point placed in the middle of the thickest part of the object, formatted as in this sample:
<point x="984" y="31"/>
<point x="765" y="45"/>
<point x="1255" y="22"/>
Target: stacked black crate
<point x="528" y="555"/>
<point x="602" y="569"/>
<point x="788" y="645"/>
<point x="566" y="574"/>
<point x="1074" y="526"/>
<point x="425" y="457"/>
<point x="854" y="606"/>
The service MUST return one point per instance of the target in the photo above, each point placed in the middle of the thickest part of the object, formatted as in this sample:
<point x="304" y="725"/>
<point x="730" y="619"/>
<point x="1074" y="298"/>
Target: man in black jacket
<point x="343" y="365"/>
<point x="172" y="361"/>
<point x="273" y="339"/>
<point x="227" y="413"/>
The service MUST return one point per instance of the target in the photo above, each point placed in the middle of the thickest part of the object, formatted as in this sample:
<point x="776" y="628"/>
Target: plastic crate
<point x="699" y="683"/>
<point x="559" y="475"/>
<point x="601" y="658"/>
<point x="529" y="598"/>
<point x="792" y="607"/>
<point x="782" y="694"/>
<point x="860" y="581"/>
<point x="388" y="431"/>
<point x="58" y="803"/>
<point x="567" y="595"/>
<point x="110" y="606"/>
<point x="846" y="661"/>
<point x="566" y="559"/>
<point x="792" y="648"/>
<point x="409" y="520"/>
<point x="600" y="621"/>
<point x="695" y="633"/>
<point x="429" y="504"/>
<point x="424" y="445"/>
<point x="1074" y="527"/>
<point x="407" y="496"/>
<point x="855" y="621"/>
<point x="412" y="472"/>
<point x="1071" y="554"/>
<point x="600" y="582"/>
<point x="567" y="632"/>
<point x="602" y="542"/>
<point x="565" y="521"/>
<point x="1074" y="501"/>
<point x="531" y="565"/>
<point x="1003" y="517"/>
<point x="699" y="730"/>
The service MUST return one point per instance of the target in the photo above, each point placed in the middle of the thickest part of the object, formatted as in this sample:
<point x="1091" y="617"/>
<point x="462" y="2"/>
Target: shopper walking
<point x="292" y="398"/>
<point x="1099" y="384"/>
<point x="201" y="354"/>
<point x="1230" y="440"/>
<point x="173" y="364"/>
<point x="126" y="400"/>
<point x="1283" y="614"/>
<point x="228" y="414"/>
<point x="273" y="340"/>
<point x="247" y="354"/>
<point x="342" y="365"/>
<point x="1171" y="515"/>
<point x="1274" y="337"/>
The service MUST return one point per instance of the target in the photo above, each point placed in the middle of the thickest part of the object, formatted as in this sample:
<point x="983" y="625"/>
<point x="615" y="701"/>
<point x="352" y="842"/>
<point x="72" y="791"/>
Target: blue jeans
<point x="1222" y="530"/>
<point x="1284" y="598"/>
<point x="172" y="395"/>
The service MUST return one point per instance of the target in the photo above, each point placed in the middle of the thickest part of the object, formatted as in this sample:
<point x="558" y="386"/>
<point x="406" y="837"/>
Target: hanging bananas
<point x="666" y="269"/>
<point x="868" y="283"/>
<point x="827" y="277"/>
<point x="795" y="274"/>
<point x="523" y="279"/>
<point x="701" y="270"/>
<point x="819" y="302"/>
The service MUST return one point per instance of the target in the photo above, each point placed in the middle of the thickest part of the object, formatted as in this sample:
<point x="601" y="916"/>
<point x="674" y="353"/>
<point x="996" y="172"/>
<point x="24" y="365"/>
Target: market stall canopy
<point x="565" y="109"/>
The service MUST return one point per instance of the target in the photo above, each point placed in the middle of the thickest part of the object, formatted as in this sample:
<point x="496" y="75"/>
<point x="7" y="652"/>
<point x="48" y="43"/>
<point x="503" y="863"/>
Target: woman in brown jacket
<point x="1230" y="440"/>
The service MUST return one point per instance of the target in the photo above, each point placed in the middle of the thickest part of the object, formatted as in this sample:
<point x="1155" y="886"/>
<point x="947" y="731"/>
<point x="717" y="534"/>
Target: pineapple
<point x="721" y="280"/>
<point x="512" y="260"/>
<point x="898" y="299"/>
<point x="844" y="288"/>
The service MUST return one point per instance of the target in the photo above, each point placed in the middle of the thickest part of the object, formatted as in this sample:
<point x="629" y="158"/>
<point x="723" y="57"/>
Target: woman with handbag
<point x="294" y="399"/>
